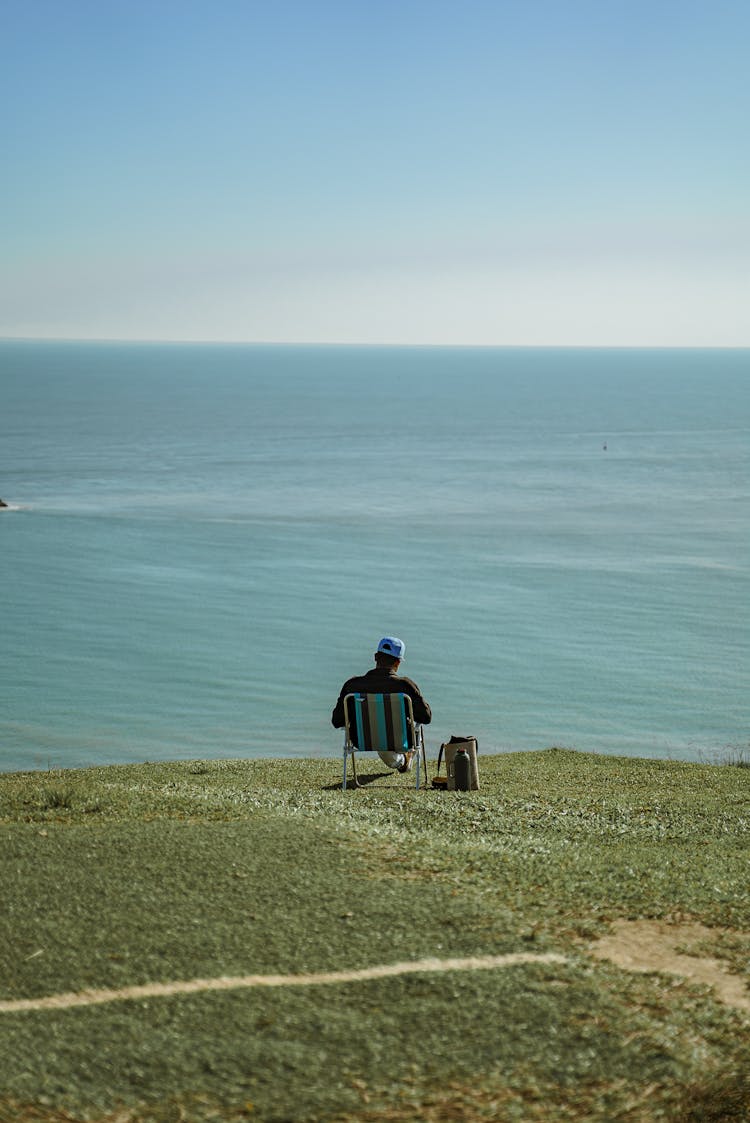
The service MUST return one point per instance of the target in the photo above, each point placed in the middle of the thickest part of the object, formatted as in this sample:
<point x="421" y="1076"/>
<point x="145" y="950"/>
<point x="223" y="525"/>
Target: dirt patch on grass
<point x="654" y="945"/>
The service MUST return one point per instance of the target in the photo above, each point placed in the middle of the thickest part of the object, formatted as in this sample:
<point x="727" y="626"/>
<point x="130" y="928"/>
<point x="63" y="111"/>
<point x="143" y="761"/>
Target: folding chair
<point x="381" y="723"/>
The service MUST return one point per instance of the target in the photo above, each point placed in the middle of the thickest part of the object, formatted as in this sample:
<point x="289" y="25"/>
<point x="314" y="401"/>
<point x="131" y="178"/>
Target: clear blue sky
<point x="421" y="171"/>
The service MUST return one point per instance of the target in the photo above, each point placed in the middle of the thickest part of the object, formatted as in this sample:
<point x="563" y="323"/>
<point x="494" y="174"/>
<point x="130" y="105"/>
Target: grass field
<point x="123" y="876"/>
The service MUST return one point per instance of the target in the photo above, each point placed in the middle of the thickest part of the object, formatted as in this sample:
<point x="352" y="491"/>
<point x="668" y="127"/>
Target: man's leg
<point x="400" y="761"/>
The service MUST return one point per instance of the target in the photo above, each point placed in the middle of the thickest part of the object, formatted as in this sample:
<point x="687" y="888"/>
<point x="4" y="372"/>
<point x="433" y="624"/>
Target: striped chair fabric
<point x="381" y="723"/>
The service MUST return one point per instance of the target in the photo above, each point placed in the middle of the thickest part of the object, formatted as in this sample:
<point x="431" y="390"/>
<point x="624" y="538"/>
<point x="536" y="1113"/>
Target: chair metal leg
<point x="421" y="759"/>
<point x="356" y="783"/>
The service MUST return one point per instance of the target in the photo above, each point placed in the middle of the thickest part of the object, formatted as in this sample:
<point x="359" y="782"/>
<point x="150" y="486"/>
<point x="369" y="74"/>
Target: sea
<point x="203" y="541"/>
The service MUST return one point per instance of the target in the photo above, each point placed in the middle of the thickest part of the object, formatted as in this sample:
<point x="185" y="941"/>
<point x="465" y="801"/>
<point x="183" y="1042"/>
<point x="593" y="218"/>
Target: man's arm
<point x="422" y="712"/>
<point x="338" y="720"/>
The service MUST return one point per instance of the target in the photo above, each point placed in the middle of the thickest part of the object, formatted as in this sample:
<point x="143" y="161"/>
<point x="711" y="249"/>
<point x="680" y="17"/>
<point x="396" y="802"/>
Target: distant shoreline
<point x="344" y="344"/>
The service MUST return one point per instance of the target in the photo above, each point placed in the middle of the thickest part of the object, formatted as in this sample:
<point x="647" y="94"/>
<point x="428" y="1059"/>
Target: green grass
<point x="134" y="874"/>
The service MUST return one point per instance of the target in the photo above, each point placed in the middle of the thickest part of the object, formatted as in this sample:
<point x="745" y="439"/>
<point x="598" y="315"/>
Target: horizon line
<point x="379" y="343"/>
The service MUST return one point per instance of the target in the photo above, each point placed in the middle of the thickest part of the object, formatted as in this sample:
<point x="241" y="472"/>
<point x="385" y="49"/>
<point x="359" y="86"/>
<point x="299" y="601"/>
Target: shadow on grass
<point x="370" y="778"/>
<point x="725" y="1099"/>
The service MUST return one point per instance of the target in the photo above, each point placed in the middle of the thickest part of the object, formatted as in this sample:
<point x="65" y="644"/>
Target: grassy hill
<point x="124" y="876"/>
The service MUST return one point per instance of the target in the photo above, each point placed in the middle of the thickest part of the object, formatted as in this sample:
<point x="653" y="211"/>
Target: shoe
<point x="408" y="761"/>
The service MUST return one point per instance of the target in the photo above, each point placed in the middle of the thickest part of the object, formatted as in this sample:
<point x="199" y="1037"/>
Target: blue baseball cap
<point x="389" y="645"/>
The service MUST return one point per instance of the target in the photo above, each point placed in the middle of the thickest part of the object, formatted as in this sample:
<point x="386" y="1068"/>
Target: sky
<point x="513" y="172"/>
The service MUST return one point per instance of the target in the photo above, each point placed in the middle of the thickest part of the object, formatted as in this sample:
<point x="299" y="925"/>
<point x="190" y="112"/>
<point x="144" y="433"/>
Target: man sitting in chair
<point x="384" y="679"/>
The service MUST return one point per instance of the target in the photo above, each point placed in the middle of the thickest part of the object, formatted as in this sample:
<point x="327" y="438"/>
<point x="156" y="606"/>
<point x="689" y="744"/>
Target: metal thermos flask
<point x="462" y="770"/>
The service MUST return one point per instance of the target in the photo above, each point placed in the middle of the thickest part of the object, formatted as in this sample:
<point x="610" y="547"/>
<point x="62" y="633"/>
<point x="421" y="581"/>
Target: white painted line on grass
<point x="241" y="982"/>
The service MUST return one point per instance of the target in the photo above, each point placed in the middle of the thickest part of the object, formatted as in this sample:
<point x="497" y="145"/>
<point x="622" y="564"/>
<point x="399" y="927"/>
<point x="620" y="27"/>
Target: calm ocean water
<point x="204" y="541"/>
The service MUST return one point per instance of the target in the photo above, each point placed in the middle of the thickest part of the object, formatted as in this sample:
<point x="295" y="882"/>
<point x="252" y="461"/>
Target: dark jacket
<point x="382" y="681"/>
